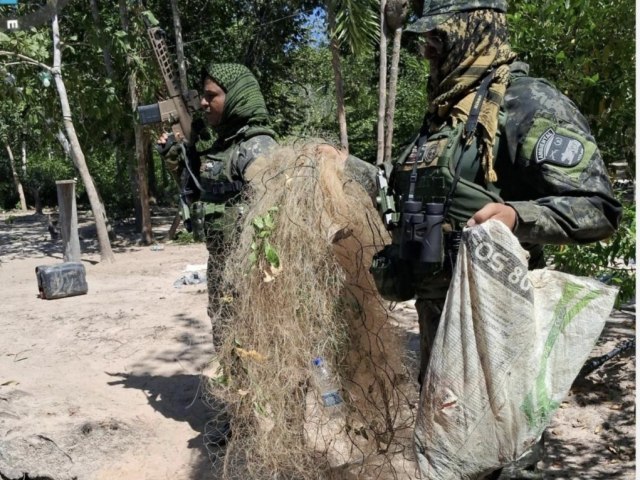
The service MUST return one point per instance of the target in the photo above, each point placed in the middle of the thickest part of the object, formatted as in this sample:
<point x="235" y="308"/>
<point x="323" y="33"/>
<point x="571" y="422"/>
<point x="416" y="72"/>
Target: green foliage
<point x="184" y="238"/>
<point x="357" y="23"/>
<point x="612" y="260"/>
<point x="303" y="103"/>
<point x="110" y="171"/>
<point x="42" y="173"/>
<point x="361" y="93"/>
<point x="261" y="248"/>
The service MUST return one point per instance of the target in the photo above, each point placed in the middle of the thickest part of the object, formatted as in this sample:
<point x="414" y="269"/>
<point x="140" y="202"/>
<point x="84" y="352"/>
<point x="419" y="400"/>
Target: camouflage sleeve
<point x="173" y="161"/>
<point x="567" y="196"/>
<point x="249" y="151"/>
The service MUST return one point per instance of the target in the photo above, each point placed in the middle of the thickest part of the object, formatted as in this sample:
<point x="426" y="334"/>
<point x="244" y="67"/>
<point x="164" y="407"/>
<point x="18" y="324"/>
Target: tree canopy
<point x="585" y="47"/>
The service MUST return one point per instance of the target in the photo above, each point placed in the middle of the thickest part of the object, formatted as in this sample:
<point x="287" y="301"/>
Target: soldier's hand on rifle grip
<point x="165" y="142"/>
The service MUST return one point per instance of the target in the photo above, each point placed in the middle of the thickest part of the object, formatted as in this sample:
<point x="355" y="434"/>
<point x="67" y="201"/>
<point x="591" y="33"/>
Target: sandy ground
<point x="106" y="385"/>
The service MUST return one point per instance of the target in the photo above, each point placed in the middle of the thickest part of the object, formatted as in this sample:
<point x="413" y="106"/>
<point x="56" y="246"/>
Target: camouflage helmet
<point x="435" y="12"/>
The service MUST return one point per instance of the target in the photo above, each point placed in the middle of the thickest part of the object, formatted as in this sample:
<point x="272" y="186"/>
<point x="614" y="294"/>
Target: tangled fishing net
<point x="296" y="287"/>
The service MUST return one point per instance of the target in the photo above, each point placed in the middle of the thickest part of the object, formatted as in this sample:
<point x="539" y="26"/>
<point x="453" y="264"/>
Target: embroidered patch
<point x="430" y="152"/>
<point x="558" y="149"/>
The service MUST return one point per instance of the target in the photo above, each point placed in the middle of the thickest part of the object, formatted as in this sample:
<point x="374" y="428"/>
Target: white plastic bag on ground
<point x="509" y="345"/>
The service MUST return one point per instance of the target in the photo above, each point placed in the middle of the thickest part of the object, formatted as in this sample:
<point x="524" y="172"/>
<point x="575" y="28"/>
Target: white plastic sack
<point x="509" y="345"/>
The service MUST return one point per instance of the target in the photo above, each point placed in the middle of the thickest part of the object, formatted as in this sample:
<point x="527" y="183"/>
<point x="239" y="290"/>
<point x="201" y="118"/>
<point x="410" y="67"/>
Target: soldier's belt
<point x="214" y="191"/>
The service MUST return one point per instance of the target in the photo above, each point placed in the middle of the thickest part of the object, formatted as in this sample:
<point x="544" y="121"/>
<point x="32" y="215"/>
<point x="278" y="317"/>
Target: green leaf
<point x="258" y="223"/>
<point x="268" y="222"/>
<point x="271" y="255"/>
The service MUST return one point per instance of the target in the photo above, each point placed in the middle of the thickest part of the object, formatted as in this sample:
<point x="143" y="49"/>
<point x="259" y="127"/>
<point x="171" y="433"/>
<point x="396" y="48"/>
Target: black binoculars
<point x="421" y="235"/>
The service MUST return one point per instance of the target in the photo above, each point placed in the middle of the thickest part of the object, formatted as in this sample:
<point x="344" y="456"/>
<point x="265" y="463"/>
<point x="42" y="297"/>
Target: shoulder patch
<point x="552" y="147"/>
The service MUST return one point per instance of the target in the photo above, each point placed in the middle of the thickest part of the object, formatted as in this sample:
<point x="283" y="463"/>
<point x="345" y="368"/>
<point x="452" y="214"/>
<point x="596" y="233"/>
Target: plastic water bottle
<point x="326" y="385"/>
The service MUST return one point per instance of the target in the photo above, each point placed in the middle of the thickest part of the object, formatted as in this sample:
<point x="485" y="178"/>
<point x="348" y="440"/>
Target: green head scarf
<point x="244" y="104"/>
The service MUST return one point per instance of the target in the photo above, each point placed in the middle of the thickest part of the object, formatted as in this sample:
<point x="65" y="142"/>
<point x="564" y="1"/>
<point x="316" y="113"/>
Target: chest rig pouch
<point x="217" y="212"/>
<point x="433" y="203"/>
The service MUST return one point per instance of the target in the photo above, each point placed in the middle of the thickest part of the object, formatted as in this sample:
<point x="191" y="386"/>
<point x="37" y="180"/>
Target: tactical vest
<point x="219" y="206"/>
<point x="437" y="184"/>
<point x="433" y="160"/>
<point x="437" y="157"/>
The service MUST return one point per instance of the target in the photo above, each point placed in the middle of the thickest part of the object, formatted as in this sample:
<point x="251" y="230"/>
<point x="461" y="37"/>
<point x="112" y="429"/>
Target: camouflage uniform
<point x="539" y="157"/>
<point x="548" y="169"/>
<point x="546" y="163"/>
<point x="225" y="167"/>
<point x="243" y="136"/>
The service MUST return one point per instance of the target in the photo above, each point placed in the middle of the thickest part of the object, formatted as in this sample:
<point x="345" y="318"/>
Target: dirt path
<point x="106" y="385"/>
<point x="103" y="385"/>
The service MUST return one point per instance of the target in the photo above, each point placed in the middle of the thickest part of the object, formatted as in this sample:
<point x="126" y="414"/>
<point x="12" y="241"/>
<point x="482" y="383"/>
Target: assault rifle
<point x="177" y="110"/>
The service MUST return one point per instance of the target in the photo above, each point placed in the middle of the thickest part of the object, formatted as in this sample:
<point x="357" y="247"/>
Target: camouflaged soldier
<point x="495" y="144"/>
<point x="234" y="107"/>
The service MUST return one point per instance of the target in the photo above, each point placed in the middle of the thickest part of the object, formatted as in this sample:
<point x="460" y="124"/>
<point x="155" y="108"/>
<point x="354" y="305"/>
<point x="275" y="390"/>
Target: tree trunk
<point x="64" y="143"/>
<point x="146" y="233"/>
<point x="16" y="180"/>
<point x="382" y="84"/>
<point x="24" y="158"/>
<point x="37" y="199"/>
<point x="100" y="216"/>
<point x="337" y="75"/>
<point x="151" y="173"/>
<point x="182" y="64"/>
<point x="391" y="97"/>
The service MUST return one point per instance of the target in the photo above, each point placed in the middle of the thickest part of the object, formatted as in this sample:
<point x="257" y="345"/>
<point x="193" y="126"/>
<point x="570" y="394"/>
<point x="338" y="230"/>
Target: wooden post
<point x="68" y="219"/>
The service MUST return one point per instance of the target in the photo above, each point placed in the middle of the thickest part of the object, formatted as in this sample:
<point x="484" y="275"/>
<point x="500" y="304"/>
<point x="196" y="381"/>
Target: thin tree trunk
<point x="151" y="173"/>
<point x="337" y="74"/>
<point x="100" y="216"/>
<point x="37" y="199"/>
<point x="141" y="140"/>
<point x="382" y="84"/>
<point x="391" y="98"/>
<point x="182" y="64"/>
<point x="64" y="143"/>
<point x="24" y="157"/>
<point x="16" y="180"/>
